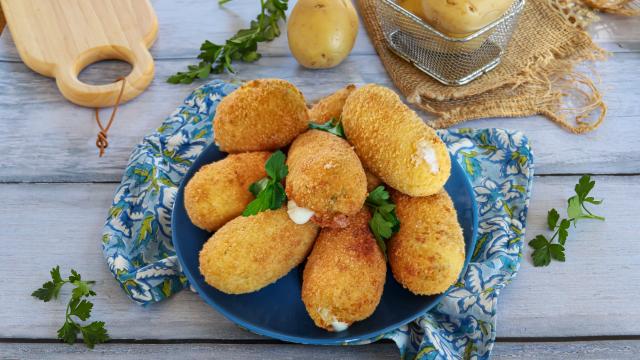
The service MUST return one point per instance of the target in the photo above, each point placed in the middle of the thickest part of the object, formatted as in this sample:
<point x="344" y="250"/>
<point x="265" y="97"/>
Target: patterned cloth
<point x="137" y="233"/>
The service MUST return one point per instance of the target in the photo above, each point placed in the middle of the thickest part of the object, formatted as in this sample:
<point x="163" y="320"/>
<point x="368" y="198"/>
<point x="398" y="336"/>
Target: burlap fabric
<point x="536" y="76"/>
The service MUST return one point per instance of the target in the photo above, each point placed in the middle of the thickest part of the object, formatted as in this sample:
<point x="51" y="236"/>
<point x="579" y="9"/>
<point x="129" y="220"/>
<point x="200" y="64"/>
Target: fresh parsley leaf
<point x="544" y="249"/>
<point x="384" y="221"/>
<point x="539" y="242"/>
<point x="76" y="307"/>
<point x="584" y="186"/>
<point x="48" y="291"/>
<point x="55" y="274"/>
<point x="269" y="192"/>
<point x="557" y="252"/>
<point x="333" y="126"/>
<point x="68" y="332"/>
<point x="80" y="308"/>
<point x="243" y="46"/>
<point x="258" y="186"/>
<point x="552" y="218"/>
<point x="276" y="166"/>
<point x="94" y="333"/>
<point x="83" y="288"/>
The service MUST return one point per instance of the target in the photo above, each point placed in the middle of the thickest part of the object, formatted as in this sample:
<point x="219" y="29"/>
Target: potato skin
<point x="326" y="176"/>
<point x="249" y="253"/>
<point x="219" y="192"/>
<point x="463" y="17"/>
<point x="330" y="107"/>
<point x="321" y="33"/>
<point x="390" y="138"/>
<point x="344" y="275"/>
<point x="427" y="254"/>
<point x="261" y="115"/>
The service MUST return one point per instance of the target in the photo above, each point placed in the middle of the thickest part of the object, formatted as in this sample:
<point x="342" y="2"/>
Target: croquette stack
<point x="325" y="220"/>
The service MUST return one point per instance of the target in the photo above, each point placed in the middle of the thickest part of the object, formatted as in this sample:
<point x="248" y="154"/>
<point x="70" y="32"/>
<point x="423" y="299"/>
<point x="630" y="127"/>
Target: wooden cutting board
<point x="59" y="38"/>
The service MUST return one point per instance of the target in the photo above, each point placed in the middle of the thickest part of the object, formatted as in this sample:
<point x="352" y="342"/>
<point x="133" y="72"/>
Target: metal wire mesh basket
<point x="450" y="60"/>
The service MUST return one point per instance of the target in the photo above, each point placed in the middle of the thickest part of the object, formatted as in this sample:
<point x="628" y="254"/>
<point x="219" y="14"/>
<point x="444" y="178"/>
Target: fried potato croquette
<point x="427" y="254"/>
<point x="372" y="181"/>
<point x="219" y="192"/>
<point x="249" y="253"/>
<point x="330" y="107"/>
<point x="261" y="115"/>
<point x="393" y="142"/>
<point x="325" y="177"/>
<point x="344" y="275"/>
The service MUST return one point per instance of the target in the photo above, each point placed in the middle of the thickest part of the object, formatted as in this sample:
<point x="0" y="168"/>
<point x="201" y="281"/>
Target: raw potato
<point x="394" y="143"/>
<point x="459" y="18"/>
<point x="261" y="115"/>
<point x="344" y="276"/>
<point x="413" y="6"/>
<point x="427" y="254"/>
<point x="321" y="33"/>
<point x="330" y="107"/>
<point x="325" y="176"/>
<point x="249" y="253"/>
<point x="219" y="192"/>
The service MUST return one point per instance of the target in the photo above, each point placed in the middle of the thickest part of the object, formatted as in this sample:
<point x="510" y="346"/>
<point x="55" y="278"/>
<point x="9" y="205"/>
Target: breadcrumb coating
<point x="330" y="107"/>
<point x="249" y="253"/>
<point x="219" y="192"/>
<point x="264" y="114"/>
<point x="345" y="274"/>
<point x="394" y="143"/>
<point x="326" y="176"/>
<point x="427" y="254"/>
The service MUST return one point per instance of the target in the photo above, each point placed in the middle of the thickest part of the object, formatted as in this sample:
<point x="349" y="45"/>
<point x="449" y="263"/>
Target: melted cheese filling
<point x="297" y="214"/>
<point x="426" y="153"/>
<point x="335" y="324"/>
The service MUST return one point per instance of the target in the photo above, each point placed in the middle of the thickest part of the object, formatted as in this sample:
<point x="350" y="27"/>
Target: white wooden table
<point x="56" y="193"/>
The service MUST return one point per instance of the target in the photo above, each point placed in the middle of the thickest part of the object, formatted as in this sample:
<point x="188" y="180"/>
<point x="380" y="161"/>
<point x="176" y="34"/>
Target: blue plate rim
<point x="308" y="340"/>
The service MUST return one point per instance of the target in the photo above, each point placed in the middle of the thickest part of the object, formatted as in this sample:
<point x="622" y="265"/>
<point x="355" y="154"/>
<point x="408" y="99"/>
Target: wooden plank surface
<point x="44" y="138"/>
<point x="592" y="350"/>
<point x="185" y="24"/>
<point x="49" y="224"/>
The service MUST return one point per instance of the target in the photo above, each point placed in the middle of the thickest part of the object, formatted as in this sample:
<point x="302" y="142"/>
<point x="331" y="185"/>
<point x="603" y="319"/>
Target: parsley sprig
<point x="269" y="191"/>
<point x="242" y="46"/>
<point x="545" y="249"/>
<point x="333" y="126"/>
<point x="78" y="307"/>
<point x="384" y="222"/>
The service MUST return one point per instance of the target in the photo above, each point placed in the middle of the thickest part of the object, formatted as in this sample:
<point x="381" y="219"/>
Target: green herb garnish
<point x="242" y="46"/>
<point x="93" y="333"/>
<point x="333" y="126"/>
<point x="545" y="249"/>
<point x="269" y="191"/>
<point x="384" y="222"/>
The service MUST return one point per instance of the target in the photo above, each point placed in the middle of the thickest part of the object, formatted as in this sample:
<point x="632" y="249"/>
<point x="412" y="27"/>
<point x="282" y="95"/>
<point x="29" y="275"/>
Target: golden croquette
<point x="344" y="275"/>
<point x="249" y="253"/>
<point x="265" y="114"/>
<point x="427" y="254"/>
<point x="326" y="177"/>
<point x="394" y="143"/>
<point x="372" y="180"/>
<point x="330" y="107"/>
<point x="219" y="192"/>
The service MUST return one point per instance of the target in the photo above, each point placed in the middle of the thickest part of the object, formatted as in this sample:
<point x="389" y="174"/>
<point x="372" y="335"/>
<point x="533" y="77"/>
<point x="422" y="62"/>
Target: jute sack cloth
<point x="536" y="76"/>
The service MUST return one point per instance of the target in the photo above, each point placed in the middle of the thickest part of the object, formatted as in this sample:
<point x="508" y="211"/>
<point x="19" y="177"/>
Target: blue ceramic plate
<point x="277" y="310"/>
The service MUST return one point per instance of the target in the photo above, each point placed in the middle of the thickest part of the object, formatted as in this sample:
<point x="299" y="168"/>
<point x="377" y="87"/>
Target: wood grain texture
<point x="596" y="350"/>
<point x="58" y="139"/>
<point x="185" y="24"/>
<point x="49" y="224"/>
<point x="58" y="38"/>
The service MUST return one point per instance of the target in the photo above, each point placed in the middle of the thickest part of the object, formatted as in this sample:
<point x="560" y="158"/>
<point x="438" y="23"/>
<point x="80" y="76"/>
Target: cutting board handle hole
<point x="104" y="71"/>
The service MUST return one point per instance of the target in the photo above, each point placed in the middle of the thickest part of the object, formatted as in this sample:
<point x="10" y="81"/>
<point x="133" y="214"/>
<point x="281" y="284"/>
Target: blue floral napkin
<point x="137" y="234"/>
